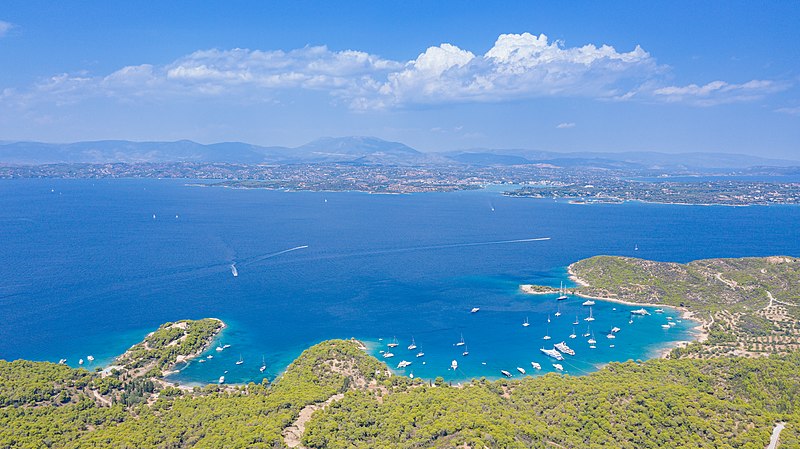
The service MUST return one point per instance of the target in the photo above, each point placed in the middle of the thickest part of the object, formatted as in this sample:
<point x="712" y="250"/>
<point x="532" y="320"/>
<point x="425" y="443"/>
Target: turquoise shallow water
<point x="86" y="269"/>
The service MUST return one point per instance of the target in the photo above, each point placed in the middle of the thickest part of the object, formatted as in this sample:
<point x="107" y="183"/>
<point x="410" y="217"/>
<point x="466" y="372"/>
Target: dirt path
<point x="776" y="434"/>
<point x="772" y="299"/>
<point x="294" y="433"/>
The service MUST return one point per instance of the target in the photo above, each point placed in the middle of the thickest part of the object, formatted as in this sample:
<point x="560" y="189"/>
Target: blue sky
<point x="666" y="76"/>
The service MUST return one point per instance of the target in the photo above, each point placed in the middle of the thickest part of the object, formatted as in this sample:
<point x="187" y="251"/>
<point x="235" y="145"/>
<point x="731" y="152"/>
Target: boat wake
<point x="257" y="259"/>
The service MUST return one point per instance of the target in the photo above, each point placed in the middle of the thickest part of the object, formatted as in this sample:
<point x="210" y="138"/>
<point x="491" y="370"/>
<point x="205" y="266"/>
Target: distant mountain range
<point x="361" y="151"/>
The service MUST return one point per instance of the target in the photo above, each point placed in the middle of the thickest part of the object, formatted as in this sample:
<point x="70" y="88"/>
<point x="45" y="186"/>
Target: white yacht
<point x="611" y="336"/>
<point x="387" y="355"/>
<point x="558" y="366"/>
<point x="420" y="354"/>
<point x="454" y="365"/>
<point x="475" y="310"/>
<point x="536" y="365"/>
<point x="80" y="362"/>
<point x="521" y="370"/>
<point x="665" y="326"/>
<point x="221" y="379"/>
<point x="90" y="358"/>
<point x="505" y="373"/>
<point x="562" y="347"/>
<point x="263" y="364"/>
<point x="615" y="329"/>
<point x="403" y="364"/>
<point x="552" y="353"/>
<point x="588" y="302"/>
<point x="234" y="271"/>
<point x="640" y="312"/>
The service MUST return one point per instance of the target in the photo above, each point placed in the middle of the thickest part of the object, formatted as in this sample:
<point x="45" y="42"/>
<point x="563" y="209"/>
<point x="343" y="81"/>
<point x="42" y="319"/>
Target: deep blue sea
<point x="92" y="266"/>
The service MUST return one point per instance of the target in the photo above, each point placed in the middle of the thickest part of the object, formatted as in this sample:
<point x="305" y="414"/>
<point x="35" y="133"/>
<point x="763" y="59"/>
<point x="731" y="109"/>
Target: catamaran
<point x="590" y="317"/>
<point x="387" y="355"/>
<point x="573" y="335"/>
<point x="526" y="323"/>
<point x="394" y="343"/>
<point x="563" y="293"/>
<point x="592" y="341"/>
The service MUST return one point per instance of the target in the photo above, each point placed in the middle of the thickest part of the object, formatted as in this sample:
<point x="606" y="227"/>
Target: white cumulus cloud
<point x="565" y="125"/>
<point x="517" y="67"/>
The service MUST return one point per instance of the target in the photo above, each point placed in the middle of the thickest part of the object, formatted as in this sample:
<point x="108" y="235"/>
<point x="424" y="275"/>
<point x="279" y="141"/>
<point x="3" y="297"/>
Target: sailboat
<point x="592" y="341"/>
<point x="466" y="351"/>
<point x="526" y="323"/>
<point x="240" y="361"/>
<point x="263" y="364"/>
<point x="573" y="335"/>
<point x="590" y="317"/>
<point x="563" y="293"/>
<point x="461" y="343"/>
<point x="576" y="322"/>
<point x="393" y="343"/>
<point x="547" y="335"/>
<point x="548" y="318"/>
<point x="588" y="331"/>
<point x="558" y="312"/>
<point x="413" y="345"/>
